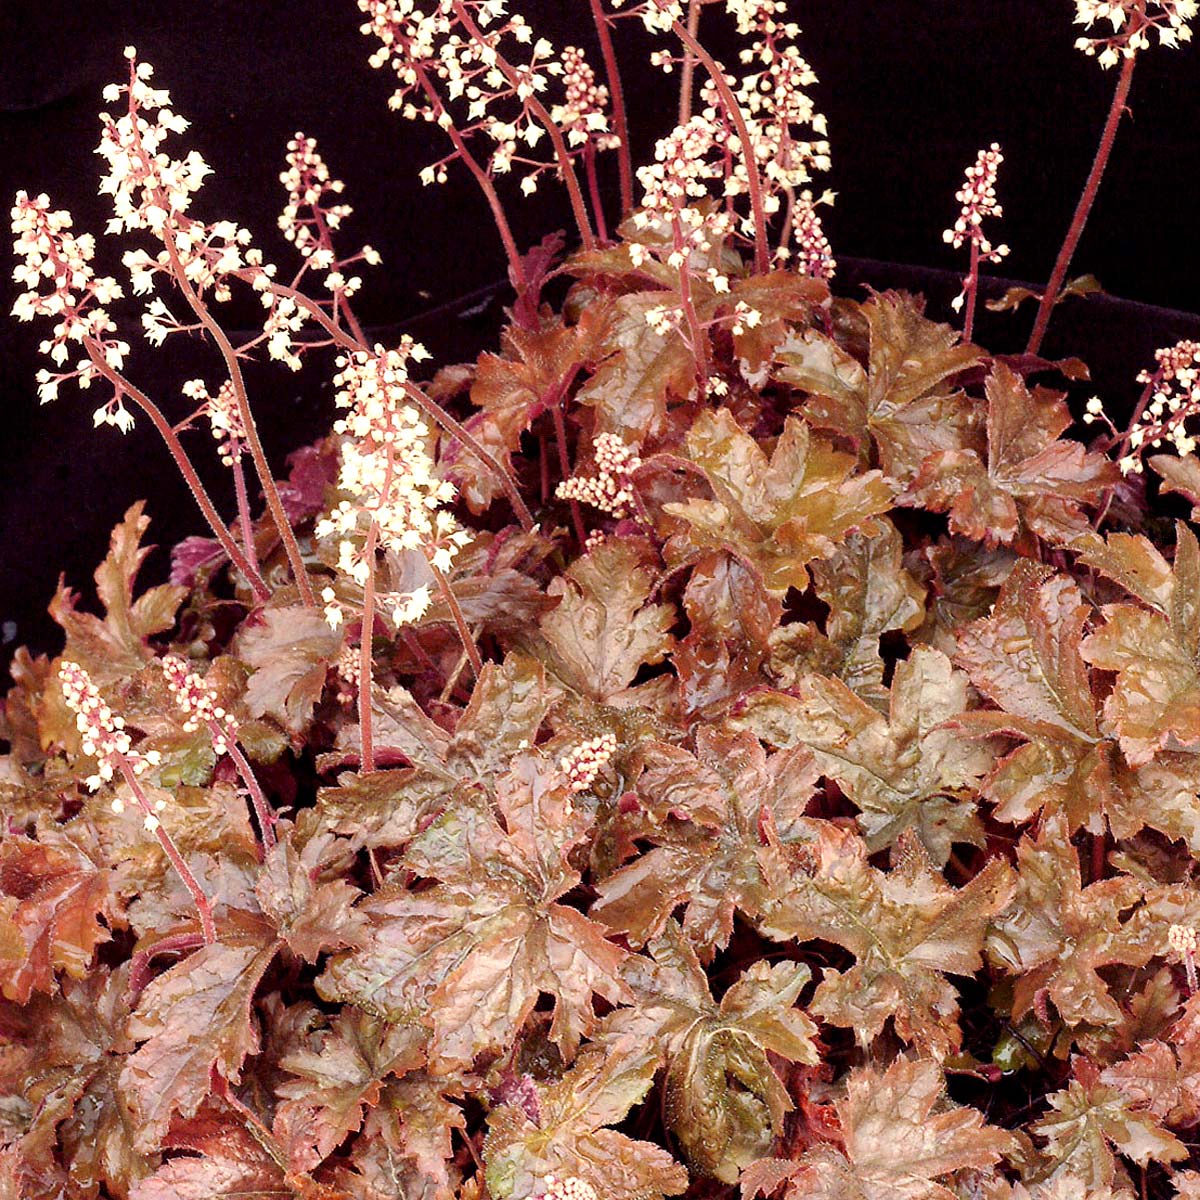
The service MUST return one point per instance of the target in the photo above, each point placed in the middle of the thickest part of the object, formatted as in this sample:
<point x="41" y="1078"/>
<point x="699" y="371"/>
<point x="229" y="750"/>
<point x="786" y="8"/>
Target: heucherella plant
<point x="727" y="739"/>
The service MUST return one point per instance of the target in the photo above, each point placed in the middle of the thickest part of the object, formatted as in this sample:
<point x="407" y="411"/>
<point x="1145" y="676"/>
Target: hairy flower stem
<point x="262" y="810"/>
<point x="516" y="268"/>
<point x="366" y="640"/>
<point x="1083" y="208"/>
<point x="184" y="872"/>
<point x="734" y="113"/>
<point x="687" y="71"/>
<point x="274" y="502"/>
<point x="460" y="622"/>
<point x="616" y="95"/>
<point x="1105" y="446"/>
<point x="243" y="503"/>
<point x="972" y="291"/>
<point x="179" y="454"/>
<point x="565" y="167"/>
<point x="429" y="407"/>
<point x="589" y="166"/>
<point x="695" y="330"/>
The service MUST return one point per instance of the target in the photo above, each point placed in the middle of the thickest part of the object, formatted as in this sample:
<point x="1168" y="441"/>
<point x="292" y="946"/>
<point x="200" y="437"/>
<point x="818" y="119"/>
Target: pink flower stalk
<point x="199" y="706"/>
<point x="105" y="738"/>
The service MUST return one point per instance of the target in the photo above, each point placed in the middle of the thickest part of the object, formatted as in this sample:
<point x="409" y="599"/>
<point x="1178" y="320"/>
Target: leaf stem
<point x="262" y="810"/>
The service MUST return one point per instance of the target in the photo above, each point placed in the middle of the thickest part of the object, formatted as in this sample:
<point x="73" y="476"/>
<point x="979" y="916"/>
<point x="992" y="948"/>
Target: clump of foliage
<point x="729" y="736"/>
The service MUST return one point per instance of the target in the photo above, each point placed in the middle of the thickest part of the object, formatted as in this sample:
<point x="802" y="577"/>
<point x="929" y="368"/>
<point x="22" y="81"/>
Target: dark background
<point x="912" y="89"/>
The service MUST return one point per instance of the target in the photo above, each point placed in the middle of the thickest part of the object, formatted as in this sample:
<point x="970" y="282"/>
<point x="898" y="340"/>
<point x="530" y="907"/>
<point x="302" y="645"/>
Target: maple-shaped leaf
<point x="1162" y="1079"/>
<point x="289" y="650"/>
<point x="1089" y="1121"/>
<point x="717" y="817"/>
<point x="473" y="953"/>
<point x="723" y="1101"/>
<point x="561" y="1131"/>
<point x="731" y="617"/>
<point x="406" y="1147"/>
<point x="869" y="593"/>
<point x="778" y="513"/>
<point x="78" y="1110"/>
<point x="1027" y="478"/>
<point x="901" y="401"/>
<point x="310" y="916"/>
<point x="901" y="1137"/>
<point x="57" y="904"/>
<point x="1155" y="650"/>
<point x="334" y="1082"/>
<point x="191" y="1020"/>
<point x="513" y="388"/>
<point x="964" y="580"/>
<point x="233" y="1154"/>
<point x="640" y="370"/>
<point x="1027" y="658"/>
<point x="603" y="629"/>
<point x="905" y="771"/>
<point x="905" y="927"/>
<point x="115" y="646"/>
<point x="1056" y="934"/>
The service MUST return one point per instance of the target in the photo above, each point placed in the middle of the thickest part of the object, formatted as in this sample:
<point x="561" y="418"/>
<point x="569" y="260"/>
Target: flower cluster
<point x="777" y="106"/>
<point x="570" y="1188"/>
<point x="388" y="475"/>
<point x="676" y="201"/>
<point x="579" y="768"/>
<point x="462" y="47"/>
<point x="815" y="258"/>
<point x="978" y="199"/>
<point x="104" y="735"/>
<point x="611" y="488"/>
<point x="75" y="298"/>
<point x="582" y="115"/>
<point x="1132" y="22"/>
<point x="1172" y="399"/>
<point x="224" y="418"/>
<point x="310" y="215"/>
<point x="198" y="704"/>
<point x="657" y="15"/>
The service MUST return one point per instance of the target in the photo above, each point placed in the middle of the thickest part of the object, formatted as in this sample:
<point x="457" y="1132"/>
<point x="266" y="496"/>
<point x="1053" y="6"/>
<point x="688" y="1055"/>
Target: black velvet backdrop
<point x="911" y="89"/>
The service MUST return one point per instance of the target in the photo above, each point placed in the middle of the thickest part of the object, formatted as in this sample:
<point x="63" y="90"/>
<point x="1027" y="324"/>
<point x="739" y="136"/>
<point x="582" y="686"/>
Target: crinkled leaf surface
<point x="115" y="646"/>
<point x="1088" y="1122"/>
<point x="1027" y="478"/>
<point x="902" y="401"/>
<point x="905" y="771"/>
<point x="724" y="1101"/>
<point x="779" y="513"/>
<point x="716" y="818"/>
<point x="562" y="1132"/>
<point x="1155" y="651"/>
<point x="1057" y="933"/>
<point x="472" y="954"/>
<point x="901" y="1138"/>
<point x="905" y="928"/>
